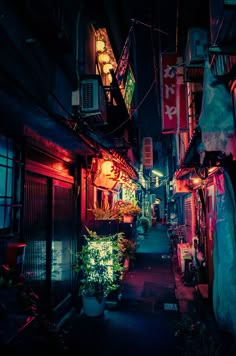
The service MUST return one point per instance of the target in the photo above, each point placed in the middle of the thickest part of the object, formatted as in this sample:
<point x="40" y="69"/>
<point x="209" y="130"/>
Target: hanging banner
<point x="168" y="93"/>
<point x="124" y="59"/>
<point x="129" y="89"/>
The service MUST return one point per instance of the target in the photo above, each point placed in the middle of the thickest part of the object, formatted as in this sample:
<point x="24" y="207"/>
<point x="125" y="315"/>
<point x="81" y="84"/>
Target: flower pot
<point x="126" y="263"/>
<point x="92" y="306"/>
<point x="128" y="219"/>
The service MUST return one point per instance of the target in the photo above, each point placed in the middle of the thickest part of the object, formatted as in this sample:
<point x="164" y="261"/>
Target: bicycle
<point x="176" y="235"/>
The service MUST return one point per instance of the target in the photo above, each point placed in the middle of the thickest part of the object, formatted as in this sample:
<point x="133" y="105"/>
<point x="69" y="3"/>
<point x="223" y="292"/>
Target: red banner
<point x="124" y="59"/>
<point x="174" y="107"/>
<point x="168" y="93"/>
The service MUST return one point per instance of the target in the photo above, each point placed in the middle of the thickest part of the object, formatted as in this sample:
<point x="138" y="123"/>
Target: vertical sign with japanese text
<point x="147" y="153"/>
<point x="168" y="93"/>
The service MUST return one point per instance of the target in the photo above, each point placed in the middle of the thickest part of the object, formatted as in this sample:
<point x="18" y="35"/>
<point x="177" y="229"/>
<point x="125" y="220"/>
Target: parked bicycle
<point x="176" y="234"/>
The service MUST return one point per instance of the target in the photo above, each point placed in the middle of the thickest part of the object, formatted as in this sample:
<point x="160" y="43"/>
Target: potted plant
<point x="127" y="210"/>
<point x="99" y="263"/>
<point x="144" y="224"/>
<point x="128" y="250"/>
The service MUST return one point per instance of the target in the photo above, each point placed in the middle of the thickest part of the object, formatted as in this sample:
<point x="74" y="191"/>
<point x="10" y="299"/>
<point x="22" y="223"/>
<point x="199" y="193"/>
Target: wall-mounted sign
<point x="168" y="93"/>
<point x="173" y="95"/>
<point x="147" y="153"/>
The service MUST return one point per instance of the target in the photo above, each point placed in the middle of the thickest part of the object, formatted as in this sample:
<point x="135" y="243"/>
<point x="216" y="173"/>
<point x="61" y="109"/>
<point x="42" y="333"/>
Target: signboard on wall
<point x="173" y="95"/>
<point x="147" y="153"/>
<point x="168" y="93"/>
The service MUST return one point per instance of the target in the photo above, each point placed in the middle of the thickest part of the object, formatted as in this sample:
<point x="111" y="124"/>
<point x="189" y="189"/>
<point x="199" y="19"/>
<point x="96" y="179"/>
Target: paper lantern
<point x="109" y="169"/>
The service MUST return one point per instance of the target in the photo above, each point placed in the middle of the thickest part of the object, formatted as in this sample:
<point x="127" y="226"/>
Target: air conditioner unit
<point x="89" y="95"/>
<point x="92" y="98"/>
<point x="76" y="98"/>
<point x="196" y="48"/>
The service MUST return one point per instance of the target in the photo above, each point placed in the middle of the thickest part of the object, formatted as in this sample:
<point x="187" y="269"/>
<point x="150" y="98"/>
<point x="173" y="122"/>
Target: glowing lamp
<point x="157" y="173"/>
<point x="100" y="46"/>
<point x="110" y="170"/>
<point x="107" y="67"/>
<point x="103" y="58"/>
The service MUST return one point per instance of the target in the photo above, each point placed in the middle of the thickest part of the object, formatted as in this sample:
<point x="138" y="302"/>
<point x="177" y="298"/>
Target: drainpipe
<point x="77" y="44"/>
<point x="177" y="28"/>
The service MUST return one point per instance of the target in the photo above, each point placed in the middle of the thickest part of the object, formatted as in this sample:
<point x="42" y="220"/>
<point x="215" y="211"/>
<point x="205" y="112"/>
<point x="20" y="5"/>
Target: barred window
<point x="6" y="182"/>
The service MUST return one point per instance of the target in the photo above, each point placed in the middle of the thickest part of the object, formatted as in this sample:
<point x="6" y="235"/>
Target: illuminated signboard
<point x="129" y="89"/>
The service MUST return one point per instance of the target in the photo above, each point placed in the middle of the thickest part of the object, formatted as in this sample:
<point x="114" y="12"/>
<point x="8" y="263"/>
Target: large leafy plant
<point x="99" y="263"/>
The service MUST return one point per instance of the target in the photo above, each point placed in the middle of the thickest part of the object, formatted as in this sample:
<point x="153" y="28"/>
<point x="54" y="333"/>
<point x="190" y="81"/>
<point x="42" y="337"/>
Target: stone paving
<point x="156" y="314"/>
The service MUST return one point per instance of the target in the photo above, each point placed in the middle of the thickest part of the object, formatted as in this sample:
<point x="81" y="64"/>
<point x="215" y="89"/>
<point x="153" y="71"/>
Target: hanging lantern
<point x="103" y="58"/>
<point x="107" y="67"/>
<point x="100" y="46"/>
<point x="110" y="170"/>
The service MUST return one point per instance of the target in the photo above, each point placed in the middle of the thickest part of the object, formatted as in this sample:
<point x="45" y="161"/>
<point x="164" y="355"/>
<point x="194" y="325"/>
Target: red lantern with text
<point x="110" y="170"/>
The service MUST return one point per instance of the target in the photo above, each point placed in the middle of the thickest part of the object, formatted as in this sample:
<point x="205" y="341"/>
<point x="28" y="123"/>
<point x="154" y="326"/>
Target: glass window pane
<point x="6" y="181"/>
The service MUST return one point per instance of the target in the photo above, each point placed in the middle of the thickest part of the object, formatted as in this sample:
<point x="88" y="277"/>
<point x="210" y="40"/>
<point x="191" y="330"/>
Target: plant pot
<point x="92" y="307"/>
<point x="128" y="219"/>
<point x="126" y="264"/>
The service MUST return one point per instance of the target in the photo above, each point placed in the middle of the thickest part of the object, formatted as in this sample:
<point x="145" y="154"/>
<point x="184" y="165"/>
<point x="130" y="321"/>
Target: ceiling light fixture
<point x="157" y="173"/>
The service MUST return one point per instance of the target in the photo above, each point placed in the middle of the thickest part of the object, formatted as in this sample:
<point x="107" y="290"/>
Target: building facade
<point x="58" y="106"/>
<point x="204" y="177"/>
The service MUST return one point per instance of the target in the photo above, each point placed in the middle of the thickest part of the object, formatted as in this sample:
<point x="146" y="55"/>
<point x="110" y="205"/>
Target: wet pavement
<point x="156" y="314"/>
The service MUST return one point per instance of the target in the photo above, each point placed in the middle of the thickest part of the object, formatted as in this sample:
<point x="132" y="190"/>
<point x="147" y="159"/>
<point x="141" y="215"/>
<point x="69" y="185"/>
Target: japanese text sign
<point x="168" y="93"/>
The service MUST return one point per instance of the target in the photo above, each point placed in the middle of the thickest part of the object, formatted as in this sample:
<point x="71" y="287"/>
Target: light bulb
<point x="107" y="67"/>
<point x="103" y="58"/>
<point x="100" y="46"/>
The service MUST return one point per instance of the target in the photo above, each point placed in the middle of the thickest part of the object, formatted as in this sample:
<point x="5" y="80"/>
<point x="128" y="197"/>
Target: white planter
<point x="92" y="307"/>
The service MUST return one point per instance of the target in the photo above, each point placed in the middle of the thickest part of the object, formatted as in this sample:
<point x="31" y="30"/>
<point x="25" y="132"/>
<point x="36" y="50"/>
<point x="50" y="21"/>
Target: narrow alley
<point x="155" y="315"/>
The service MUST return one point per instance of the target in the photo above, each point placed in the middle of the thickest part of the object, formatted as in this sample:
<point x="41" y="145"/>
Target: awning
<point x="216" y="120"/>
<point x="192" y="156"/>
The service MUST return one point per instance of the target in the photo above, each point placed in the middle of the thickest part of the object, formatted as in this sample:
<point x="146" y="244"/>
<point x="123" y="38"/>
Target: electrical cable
<point x="135" y="110"/>
<point x="153" y="28"/>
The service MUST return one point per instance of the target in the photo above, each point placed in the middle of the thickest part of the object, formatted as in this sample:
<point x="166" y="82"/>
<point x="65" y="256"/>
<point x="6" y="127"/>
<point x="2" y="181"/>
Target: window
<point x="6" y="183"/>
